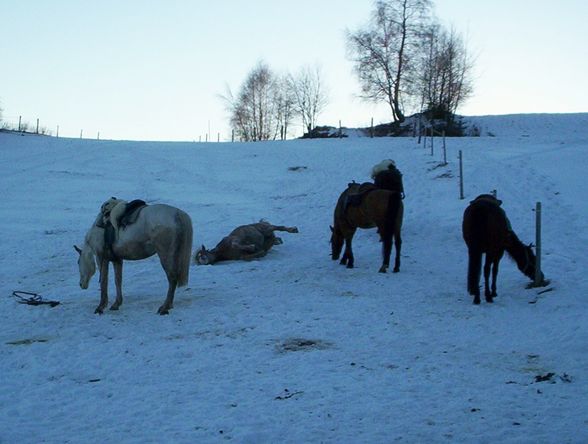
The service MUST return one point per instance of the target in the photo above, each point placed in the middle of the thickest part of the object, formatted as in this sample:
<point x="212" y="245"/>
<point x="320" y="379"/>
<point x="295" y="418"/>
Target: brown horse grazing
<point x="246" y="242"/>
<point x="486" y="229"/>
<point x="366" y="206"/>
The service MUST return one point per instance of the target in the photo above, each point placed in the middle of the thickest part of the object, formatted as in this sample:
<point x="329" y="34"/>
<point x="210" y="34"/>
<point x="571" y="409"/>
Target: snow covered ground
<point x="294" y="347"/>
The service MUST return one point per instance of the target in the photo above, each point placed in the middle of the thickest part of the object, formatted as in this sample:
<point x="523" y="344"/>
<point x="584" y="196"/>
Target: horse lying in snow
<point x="246" y="242"/>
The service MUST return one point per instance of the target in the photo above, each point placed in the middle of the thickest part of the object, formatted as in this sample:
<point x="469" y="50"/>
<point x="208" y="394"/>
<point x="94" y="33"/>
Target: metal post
<point x="19" y="122"/>
<point x="460" y="175"/>
<point x="37" y="132"/>
<point x="538" y="280"/>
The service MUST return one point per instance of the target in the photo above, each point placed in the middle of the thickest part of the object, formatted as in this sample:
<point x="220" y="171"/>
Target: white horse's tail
<point x="184" y="248"/>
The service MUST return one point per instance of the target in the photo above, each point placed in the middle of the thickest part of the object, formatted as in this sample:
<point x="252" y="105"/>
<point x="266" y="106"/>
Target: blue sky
<point x="155" y="69"/>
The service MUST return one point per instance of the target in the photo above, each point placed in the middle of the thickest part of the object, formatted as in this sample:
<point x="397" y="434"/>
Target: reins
<point x="32" y="299"/>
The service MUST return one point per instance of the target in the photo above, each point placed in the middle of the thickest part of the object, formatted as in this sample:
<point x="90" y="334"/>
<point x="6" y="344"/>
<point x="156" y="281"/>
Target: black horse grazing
<point x="486" y="229"/>
<point x="366" y="206"/>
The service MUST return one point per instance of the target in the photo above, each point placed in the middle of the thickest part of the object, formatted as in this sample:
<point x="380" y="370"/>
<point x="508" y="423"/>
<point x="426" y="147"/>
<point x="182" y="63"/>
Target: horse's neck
<point x="95" y="239"/>
<point x="517" y="250"/>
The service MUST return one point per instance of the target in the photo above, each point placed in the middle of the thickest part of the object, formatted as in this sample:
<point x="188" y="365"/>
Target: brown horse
<point x="366" y="206"/>
<point x="246" y="242"/>
<point x="486" y="229"/>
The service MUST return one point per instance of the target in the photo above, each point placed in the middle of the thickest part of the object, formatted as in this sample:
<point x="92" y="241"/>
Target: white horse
<point x="159" y="228"/>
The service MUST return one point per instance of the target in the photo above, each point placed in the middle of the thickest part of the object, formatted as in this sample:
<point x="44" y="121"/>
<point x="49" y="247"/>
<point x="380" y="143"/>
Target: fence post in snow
<point x="37" y="131"/>
<point x="372" y="128"/>
<point x="340" y="131"/>
<point x="57" y="131"/>
<point x="538" y="280"/>
<point x="460" y="175"/>
<point x="444" y="150"/>
<point x="432" y="140"/>
<point x="81" y="133"/>
<point x="19" y="122"/>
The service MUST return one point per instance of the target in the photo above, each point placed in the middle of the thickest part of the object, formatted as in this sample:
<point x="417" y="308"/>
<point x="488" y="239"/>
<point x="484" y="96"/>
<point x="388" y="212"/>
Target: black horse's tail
<point x="393" y="208"/>
<point x="474" y="270"/>
<point x="473" y="227"/>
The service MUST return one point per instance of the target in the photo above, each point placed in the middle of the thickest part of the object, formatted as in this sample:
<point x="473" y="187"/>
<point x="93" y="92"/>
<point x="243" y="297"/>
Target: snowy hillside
<point x="294" y="347"/>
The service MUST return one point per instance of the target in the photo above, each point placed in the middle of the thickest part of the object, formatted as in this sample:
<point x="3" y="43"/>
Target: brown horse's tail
<point x="183" y="254"/>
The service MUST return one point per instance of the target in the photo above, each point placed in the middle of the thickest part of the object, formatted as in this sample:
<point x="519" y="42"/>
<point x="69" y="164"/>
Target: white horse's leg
<point x="169" y="300"/>
<point x="103" y="286"/>
<point x="118" y="269"/>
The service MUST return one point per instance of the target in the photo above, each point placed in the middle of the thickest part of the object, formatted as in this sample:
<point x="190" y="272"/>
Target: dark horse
<point x="366" y="206"/>
<point x="486" y="229"/>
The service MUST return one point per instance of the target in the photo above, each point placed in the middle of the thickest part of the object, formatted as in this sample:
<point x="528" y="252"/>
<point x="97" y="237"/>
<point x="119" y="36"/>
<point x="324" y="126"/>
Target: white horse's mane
<point x="382" y="166"/>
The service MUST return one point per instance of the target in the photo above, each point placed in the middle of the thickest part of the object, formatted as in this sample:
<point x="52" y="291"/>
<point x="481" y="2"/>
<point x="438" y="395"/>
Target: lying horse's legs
<point x="103" y="286"/>
<point x="118" y="266"/>
<point x="487" y="265"/>
<point x="283" y="228"/>
<point x="169" y="300"/>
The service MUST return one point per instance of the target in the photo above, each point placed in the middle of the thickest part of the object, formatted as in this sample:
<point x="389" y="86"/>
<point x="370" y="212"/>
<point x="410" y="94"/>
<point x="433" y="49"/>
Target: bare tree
<point x="446" y="80"/>
<point x="385" y="53"/>
<point x="263" y="109"/>
<point x="309" y="95"/>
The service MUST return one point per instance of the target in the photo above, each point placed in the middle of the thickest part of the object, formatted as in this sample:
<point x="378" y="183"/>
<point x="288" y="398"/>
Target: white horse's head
<point x="86" y="264"/>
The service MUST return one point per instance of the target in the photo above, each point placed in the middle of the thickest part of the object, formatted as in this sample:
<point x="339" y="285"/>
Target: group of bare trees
<point x="267" y="103"/>
<point x="407" y="59"/>
<point x="402" y="57"/>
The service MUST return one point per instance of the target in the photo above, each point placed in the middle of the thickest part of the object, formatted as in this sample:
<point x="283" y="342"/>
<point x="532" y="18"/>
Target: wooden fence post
<point x="538" y="280"/>
<point x="460" y="175"/>
<point x="444" y="150"/>
<point x="19" y="122"/>
<point x="372" y="128"/>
